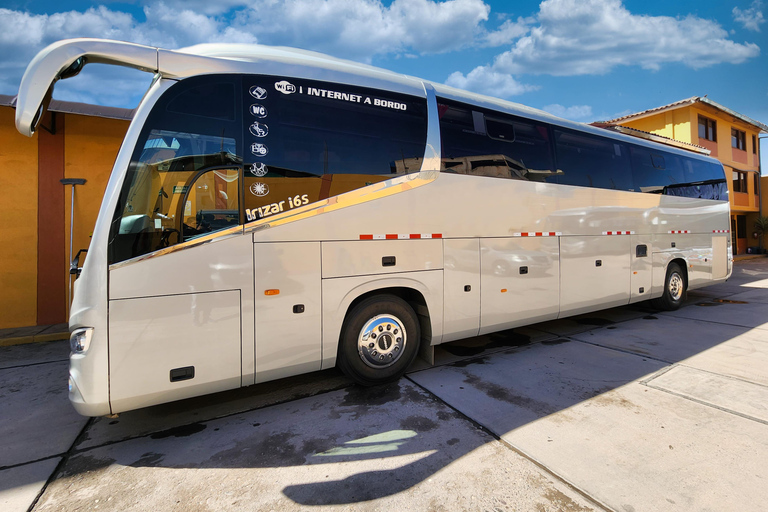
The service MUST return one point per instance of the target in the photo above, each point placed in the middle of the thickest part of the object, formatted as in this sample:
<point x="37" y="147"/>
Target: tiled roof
<point x="71" y="107"/>
<point x="651" y="136"/>
<point x="686" y="102"/>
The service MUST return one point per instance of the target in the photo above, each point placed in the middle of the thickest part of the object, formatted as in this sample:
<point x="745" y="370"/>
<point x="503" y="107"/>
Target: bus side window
<point x="675" y="175"/>
<point x="307" y="140"/>
<point x="499" y="146"/>
<point x="647" y="176"/>
<point x="590" y="161"/>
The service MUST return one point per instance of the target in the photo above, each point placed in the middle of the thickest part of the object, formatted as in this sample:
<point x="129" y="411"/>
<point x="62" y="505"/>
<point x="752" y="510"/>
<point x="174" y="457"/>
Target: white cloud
<point x="485" y="80"/>
<point x="105" y="85"/>
<point x="507" y="32"/>
<point x="580" y="37"/>
<point x="208" y="7"/>
<point x="23" y="34"/>
<point x="566" y="37"/>
<point x="574" y="113"/>
<point x="361" y="29"/>
<point x="589" y="37"/>
<point x="750" y="18"/>
<point x="356" y="29"/>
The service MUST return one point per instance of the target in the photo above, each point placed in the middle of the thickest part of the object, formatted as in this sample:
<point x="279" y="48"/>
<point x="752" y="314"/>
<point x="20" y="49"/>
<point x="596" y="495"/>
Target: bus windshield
<point x="182" y="186"/>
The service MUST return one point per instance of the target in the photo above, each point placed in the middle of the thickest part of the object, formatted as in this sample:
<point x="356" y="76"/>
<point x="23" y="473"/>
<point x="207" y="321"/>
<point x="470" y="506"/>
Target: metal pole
<point x="73" y="182"/>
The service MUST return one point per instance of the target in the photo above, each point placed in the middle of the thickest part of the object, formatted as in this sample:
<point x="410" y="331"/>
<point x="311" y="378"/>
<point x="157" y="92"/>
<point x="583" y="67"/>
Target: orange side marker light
<point x="272" y="292"/>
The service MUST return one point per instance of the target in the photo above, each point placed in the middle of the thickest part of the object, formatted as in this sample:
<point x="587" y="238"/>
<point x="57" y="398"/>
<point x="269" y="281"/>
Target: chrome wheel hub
<point x="676" y="286"/>
<point x="381" y="341"/>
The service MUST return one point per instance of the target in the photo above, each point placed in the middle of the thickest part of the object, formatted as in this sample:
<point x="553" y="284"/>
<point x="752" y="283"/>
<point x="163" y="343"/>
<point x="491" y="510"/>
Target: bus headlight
<point x="80" y="340"/>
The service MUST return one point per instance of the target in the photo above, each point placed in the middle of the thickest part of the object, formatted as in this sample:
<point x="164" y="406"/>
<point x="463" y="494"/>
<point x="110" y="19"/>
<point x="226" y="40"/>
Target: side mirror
<point x="74" y="267"/>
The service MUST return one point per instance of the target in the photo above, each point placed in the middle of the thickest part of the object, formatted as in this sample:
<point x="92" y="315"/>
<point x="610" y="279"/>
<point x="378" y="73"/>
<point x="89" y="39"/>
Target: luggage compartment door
<point x="641" y="280"/>
<point x="172" y="347"/>
<point x="461" y="263"/>
<point x="519" y="282"/>
<point x="595" y="273"/>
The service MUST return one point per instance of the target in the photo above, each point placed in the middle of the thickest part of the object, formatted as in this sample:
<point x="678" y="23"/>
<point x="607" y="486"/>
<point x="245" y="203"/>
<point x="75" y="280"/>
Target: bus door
<point x="175" y="317"/>
<point x="181" y="271"/>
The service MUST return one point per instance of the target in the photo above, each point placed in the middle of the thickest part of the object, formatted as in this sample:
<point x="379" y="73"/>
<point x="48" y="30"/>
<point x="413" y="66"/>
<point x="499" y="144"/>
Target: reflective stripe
<point x="618" y="232"/>
<point x="677" y="232"/>
<point x="392" y="236"/>
<point x="721" y="230"/>
<point x="537" y="233"/>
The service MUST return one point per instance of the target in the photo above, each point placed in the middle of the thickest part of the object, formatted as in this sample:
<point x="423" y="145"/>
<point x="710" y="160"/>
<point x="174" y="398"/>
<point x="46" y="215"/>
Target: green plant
<point x="761" y="226"/>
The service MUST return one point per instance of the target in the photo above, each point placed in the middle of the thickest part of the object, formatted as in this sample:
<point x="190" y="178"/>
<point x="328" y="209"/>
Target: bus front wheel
<point x="674" y="289"/>
<point x="379" y="340"/>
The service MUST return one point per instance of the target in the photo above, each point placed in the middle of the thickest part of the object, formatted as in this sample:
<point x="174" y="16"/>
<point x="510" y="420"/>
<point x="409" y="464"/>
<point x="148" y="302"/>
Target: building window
<point x="707" y="129"/>
<point x="738" y="139"/>
<point x="739" y="181"/>
<point x="754" y="144"/>
<point x="757" y="183"/>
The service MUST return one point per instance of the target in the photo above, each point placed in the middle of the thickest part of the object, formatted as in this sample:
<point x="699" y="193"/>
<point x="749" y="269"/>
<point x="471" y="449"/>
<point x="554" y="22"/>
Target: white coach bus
<point x="275" y="211"/>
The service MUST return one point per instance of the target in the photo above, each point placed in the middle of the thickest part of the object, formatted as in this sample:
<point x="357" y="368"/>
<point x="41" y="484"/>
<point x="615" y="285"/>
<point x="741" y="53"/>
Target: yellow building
<point x="74" y="141"/>
<point x="730" y="137"/>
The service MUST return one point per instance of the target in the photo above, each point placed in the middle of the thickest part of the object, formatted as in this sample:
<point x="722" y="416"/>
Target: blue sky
<point x="585" y="60"/>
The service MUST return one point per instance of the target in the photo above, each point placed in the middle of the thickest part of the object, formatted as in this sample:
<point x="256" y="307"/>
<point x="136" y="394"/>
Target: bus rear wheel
<point x="674" y="289"/>
<point x="379" y="340"/>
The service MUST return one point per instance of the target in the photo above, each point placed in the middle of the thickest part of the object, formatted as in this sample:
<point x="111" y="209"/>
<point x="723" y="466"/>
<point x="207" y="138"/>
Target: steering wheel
<point x="203" y="222"/>
<point x="165" y="237"/>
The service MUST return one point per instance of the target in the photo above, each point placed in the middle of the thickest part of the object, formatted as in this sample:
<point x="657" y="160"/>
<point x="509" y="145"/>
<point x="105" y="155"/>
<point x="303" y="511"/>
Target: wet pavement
<point x="626" y="409"/>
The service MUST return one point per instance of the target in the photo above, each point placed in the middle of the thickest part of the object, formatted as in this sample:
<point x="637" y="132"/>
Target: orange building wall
<point x="90" y="145"/>
<point x="18" y="229"/>
<point x="90" y="149"/>
<point x="724" y="149"/>
<point x="764" y="196"/>
<point x="51" y="292"/>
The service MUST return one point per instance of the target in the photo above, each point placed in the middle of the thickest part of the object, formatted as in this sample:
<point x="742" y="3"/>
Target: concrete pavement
<point x="626" y="410"/>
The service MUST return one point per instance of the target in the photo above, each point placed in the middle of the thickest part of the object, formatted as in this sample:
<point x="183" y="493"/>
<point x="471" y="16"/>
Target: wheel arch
<point x="667" y="302"/>
<point x="683" y="264"/>
<point x="413" y="297"/>
<point x="422" y="291"/>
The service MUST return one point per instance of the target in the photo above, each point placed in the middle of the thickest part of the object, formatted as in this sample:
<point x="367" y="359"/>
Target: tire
<point x="379" y="340"/>
<point x="675" y="288"/>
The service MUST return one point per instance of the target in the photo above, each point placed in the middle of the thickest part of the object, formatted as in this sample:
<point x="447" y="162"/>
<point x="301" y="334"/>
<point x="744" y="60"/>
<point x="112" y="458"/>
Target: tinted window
<point x="183" y="180"/>
<point x="590" y="161"/>
<point x="500" y="129"/>
<point x="214" y="100"/>
<point x="491" y="144"/>
<point x="679" y="176"/>
<point x="307" y="140"/>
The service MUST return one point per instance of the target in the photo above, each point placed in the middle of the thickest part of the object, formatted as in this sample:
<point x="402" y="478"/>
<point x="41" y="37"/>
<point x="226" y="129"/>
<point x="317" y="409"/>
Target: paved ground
<point x="625" y="410"/>
<point x="34" y="334"/>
